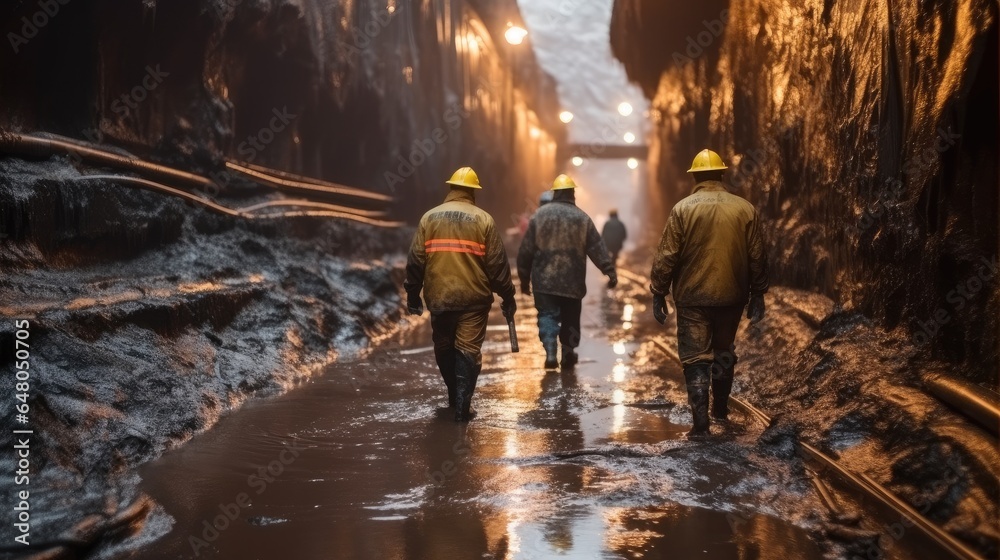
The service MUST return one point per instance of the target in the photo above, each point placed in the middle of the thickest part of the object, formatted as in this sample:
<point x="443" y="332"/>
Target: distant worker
<point x="712" y="256"/>
<point x="553" y="259"/>
<point x="458" y="258"/>
<point x="613" y="233"/>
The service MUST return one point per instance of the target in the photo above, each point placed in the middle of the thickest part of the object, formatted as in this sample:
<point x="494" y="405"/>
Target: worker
<point x="458" y="259"/>
<point x="712" y="256"/>
<point x="553" y="259"/>
<point x="613" y="233"/>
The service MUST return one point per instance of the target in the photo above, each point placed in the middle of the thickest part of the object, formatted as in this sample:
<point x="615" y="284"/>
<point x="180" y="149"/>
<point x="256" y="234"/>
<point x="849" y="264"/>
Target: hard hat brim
<point x="708" y="168"/>
<point x="461" y="184"/>
<point x="563" y="187"/>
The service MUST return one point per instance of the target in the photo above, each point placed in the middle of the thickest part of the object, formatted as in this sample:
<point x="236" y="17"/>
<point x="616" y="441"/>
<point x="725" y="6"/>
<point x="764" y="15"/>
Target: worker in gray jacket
<point x="553" y="260"/>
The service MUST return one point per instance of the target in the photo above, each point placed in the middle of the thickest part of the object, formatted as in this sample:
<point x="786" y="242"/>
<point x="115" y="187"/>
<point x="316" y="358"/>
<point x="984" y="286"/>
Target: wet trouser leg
<point x="443" y="334"/>
<point x="548" y="326"/>
<point x="569" y="331"/>
<point x="470" y="332"/>
<point x="705" y="338"/>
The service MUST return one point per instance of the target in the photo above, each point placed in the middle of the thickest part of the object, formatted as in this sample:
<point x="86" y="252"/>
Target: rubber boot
<point x="722" y="383"/>
<point x="466" y="375"/>
<point x="720" y="397"/>
<point x="446" y="365"/>
<point x="569" y="357"/>
<point x="697" y="377"/>
<point x="551" y="361"/>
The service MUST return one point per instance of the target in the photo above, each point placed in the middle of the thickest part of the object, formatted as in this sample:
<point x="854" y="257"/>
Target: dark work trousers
<point x="457" y="331"/>
<point x="706" y="335"/>
<point x="559" y="316"/>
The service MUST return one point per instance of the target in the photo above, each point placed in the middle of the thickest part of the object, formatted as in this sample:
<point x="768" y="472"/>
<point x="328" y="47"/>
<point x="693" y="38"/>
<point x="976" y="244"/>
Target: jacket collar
<point x="460" y="195"/>
<point x="713" y="186"/>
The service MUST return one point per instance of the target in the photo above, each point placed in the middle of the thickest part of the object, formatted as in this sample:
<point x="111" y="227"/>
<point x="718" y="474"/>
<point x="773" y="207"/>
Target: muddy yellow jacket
<point x="711" y="252"/>
<point x="457" y="257"/>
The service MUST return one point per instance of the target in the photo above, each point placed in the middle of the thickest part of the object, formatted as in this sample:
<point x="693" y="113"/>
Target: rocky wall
<point x="865" y="132"/>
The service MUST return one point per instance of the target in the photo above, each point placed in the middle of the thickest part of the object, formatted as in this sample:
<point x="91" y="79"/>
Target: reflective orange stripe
<point x="456" y="250"/>
<point x="454" y="241"/>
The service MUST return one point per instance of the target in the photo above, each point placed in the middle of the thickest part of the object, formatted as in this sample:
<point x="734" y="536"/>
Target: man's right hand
<point x="414" y="305"/>
<point x="660" y="308"/>
<point x="526" y="288"/>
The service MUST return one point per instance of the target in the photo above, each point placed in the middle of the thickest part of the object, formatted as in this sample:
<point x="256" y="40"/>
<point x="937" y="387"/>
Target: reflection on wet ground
<point x="363" y="462"/>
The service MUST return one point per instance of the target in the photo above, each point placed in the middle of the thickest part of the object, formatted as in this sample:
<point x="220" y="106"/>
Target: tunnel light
<point x="633" y="163"/>
<point x="535" y="133"/>
<point x="565" y="116"/>
<point x="624" y="108"/>
<point x="629" y="138"/>
<point x="515" y="35"/>
<point x="577" y="161"/>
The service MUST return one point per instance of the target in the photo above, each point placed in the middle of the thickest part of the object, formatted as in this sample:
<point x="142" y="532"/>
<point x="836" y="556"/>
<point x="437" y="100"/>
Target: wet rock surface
<point x="865" y="133"/>
<point x="150" y="319"/>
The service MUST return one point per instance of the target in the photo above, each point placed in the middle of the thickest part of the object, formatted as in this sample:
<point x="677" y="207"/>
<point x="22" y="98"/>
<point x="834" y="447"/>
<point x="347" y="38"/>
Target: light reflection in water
<point x="619" y="348"/>
<point x="618" y="372"/>
<point x="627" y="313"/>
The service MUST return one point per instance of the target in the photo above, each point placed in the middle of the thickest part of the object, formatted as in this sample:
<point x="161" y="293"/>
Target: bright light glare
<point x="618" y="372"/>
<point x="577" y="161"/>
<point x="515" y="35"/>
<point x="535" y="133"/>
<point x="629" y="137"/>
<point x="565" y="116"/>
<point x="627" y="312"/>
<point x="624" y="108"/>
<point x="633" y="163"/>
<point x="619" y="347"/>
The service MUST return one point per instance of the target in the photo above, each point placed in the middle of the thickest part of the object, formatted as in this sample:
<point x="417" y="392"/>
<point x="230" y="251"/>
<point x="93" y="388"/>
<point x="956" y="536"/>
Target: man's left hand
<point x="755" y="310"/>
<point x="612" y="280"/>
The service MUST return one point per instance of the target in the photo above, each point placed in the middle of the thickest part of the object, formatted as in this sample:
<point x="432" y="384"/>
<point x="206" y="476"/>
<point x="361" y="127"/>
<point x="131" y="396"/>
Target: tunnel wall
<point x="388" y="96"/>
<point x="865" y="132"/>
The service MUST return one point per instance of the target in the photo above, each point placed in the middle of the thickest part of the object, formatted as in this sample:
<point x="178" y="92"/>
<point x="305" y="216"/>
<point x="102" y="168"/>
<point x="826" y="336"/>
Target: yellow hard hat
<point x="707" y="160"/>
<point x="465" y="177"/>
<point x="563" y="182"/>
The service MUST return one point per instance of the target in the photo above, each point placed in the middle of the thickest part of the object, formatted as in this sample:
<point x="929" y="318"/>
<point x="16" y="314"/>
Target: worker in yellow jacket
<point x="712" y="256"/>
<point x="458" y="259"/>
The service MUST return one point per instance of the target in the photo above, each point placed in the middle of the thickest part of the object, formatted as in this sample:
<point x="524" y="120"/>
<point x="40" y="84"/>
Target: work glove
<point x="660" y="311"/>
<point x="755" y="310"/>
<point x="526" y="288"/>
<point x="612" y="280"/>
<point x="414" y="305"/>
<point x="509" y="306"/>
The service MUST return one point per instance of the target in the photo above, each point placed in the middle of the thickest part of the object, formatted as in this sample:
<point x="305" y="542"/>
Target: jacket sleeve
<point x="526" y="254"/>
<point x="758" y="257"/>
<point x="667" y="254"/>
<point x="598" y="251"/>
<point x="497" y="265"/>
<point x="415" y="265"/>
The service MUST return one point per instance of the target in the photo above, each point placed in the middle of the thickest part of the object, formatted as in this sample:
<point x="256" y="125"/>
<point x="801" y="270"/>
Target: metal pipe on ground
<point x="21" y="144"/>
<point x="287" y="181"/>
<point x="980" y="405"/>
